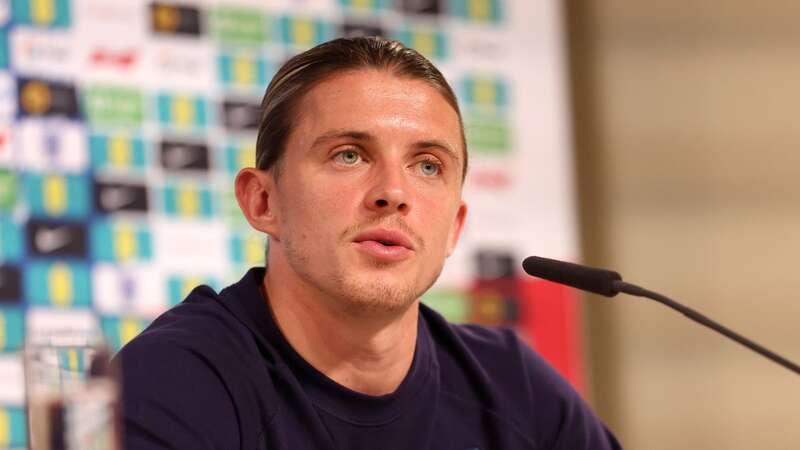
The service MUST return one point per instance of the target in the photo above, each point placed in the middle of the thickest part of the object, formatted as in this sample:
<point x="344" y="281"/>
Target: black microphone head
<point x="598" y="281"/>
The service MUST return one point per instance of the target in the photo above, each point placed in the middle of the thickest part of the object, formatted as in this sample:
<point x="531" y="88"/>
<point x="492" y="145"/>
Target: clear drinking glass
<point x="72" y="393"/>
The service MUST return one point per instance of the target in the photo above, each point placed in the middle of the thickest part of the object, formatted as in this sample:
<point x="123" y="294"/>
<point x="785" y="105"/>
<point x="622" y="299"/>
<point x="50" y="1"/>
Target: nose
<point x="389" y="193"/>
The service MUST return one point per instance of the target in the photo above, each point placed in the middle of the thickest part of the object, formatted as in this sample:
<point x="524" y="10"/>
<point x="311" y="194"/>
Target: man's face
<point x="368" y="202"/>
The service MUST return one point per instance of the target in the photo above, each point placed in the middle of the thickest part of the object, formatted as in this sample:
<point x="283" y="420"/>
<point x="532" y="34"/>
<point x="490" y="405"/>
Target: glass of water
<point x="72" y="393"/>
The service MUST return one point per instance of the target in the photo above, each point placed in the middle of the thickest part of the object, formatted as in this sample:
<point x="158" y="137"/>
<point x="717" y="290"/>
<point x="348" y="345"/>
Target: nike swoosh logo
<point x="179" y="156"/>
<point x="239" y="116"/>
<point x="114" y="198"/>
<point x="50" y="240"/>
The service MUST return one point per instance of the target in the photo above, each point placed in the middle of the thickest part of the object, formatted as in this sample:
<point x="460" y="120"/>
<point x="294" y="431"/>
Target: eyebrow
<point x="366" y="136"/>
<point x="338" y="134"/>
<point x="444" y="146"/>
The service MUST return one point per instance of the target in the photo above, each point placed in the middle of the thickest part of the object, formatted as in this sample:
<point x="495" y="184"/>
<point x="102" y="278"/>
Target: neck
<point x="369" y="354"/>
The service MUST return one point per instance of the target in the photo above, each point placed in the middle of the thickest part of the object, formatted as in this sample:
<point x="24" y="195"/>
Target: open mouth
<point x="386" y="237"/>
<point x="384" y="244"/>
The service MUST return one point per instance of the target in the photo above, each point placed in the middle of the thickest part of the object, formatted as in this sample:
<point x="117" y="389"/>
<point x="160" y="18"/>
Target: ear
<point x="457" y="228"/>
<point x="255" y="193"/>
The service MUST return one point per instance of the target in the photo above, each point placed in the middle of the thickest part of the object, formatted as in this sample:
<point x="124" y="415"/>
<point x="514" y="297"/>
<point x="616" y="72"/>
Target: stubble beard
<point x="357" y="295"/>
<point x="378" y="296"/>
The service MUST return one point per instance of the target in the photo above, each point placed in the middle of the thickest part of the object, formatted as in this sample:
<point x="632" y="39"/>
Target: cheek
<point x="437" y="219"/>
<point x="319" y="210"/>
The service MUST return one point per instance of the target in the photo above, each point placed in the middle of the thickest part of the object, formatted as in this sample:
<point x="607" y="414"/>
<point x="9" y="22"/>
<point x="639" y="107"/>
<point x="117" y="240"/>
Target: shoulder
<point x="188" y="379"/>
<point x="199" y="338"/>
<point x="516" y="382"/>
<point x="202" y="318"/>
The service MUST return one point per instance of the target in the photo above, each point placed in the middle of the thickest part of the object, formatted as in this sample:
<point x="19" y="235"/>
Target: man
<point x="361" y="158"/>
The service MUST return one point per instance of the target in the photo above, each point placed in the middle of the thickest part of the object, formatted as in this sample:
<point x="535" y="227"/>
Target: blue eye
<point x="348" y="157"/>
<point x="430" y="168"/>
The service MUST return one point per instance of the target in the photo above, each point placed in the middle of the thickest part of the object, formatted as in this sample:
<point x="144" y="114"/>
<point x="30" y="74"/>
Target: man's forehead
<point x="375" y="95"/>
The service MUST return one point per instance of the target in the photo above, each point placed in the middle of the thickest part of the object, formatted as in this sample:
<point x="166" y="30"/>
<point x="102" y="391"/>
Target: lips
<point x="388" y="245"/>
<point x="386" y="237"/>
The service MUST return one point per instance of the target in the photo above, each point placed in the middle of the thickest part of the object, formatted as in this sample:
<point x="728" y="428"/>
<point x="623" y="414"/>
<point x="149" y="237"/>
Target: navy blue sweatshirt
<point x="215" y="372"/>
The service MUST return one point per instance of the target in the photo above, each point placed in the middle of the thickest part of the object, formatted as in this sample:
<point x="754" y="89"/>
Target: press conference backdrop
<point x="123" y="124"/>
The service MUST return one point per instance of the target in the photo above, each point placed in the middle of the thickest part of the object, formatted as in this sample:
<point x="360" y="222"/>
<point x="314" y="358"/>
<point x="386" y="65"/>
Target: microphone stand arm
<point x="639" y="291"/>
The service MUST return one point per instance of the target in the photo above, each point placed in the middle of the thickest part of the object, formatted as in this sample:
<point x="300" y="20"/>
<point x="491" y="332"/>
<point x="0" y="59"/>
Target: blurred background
<point x="689" y="174"/>
<point x="654" y="138"/>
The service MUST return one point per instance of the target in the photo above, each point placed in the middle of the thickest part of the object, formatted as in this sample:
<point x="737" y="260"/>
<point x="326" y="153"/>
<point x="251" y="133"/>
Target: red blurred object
<point x="550" y="318"/>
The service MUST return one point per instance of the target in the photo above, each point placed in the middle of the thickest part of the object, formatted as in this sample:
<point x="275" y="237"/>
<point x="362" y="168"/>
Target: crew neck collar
<point x="252" y="309"/>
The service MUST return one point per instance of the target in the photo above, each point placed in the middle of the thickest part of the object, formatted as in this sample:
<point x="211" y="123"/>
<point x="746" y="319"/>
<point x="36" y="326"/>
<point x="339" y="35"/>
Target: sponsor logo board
<point x="199" y="244"/>
<point x="487" y="11"/>
<point x="490" y="93"/>
<point x="123" y="59"/>
<point x="56" y="239"/>
<point x="248" y="249"/>
<point x="98" y="18"/>
<point x="114" y="105"/>
<point x="8" y="190"/>
<point x="426" y="40"/>
<point x="240" y="25"/>
<point x="42" y="13"/>
<point x="46" y="321"/>
<point x="182" y="111"/>
<point x="184" y="155"/>
<point x="12" y="384"/>
<point x="182" y="66"/>
<point x="171" y="19"/>
<point x="4" y="51"/>
<point x="56" y="195"/>
<point x="488" y="135"/>
<point x="120" y="62"/>
<point x="10" y="284"/>
<point x="366" y="5"/>
<point x="303" y="32"/>
<point x="13" y="422"/>
<point x="5" y="12"/>
<point x="55" y="145"/>
<point x="189" y="200"/>
<point x="243" y="69"/>
<point x="38" y="97"/>
<point x="43" y="52"/>
<point x="118" y="151"/>
<point x="353" y="28"/>
<point x="241" y="115"/>
<point x="132" y="290"/>
<point x="120" y="241"/>
<point x="180" y="285"/>
<point x="57" y="284"/>
<point x="8" y="99"/>
<point x="237" y="156"/>
<point x="433" y="7"/>
<point x="117" y="196"/>
<point x="119" y="330"/>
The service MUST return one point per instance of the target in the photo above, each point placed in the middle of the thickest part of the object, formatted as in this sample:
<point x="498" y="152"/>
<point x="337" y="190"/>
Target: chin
<point x="384" y="293"/>
<point x="378" y="296"/>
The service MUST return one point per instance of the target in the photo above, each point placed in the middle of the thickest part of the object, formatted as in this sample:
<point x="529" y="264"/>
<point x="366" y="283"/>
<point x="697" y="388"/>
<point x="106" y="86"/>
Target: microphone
<point x="609" y="283"/>
<point x="598" y="281"/>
